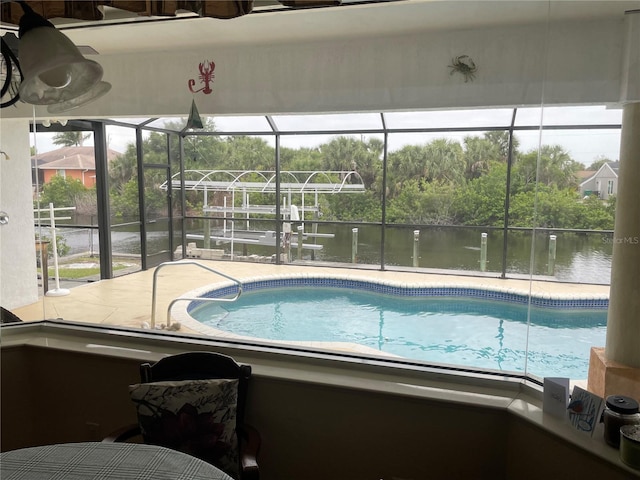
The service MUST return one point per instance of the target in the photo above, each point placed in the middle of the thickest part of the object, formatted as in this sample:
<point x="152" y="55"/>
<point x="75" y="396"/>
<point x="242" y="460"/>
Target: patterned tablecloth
<point x="102" y="461"/>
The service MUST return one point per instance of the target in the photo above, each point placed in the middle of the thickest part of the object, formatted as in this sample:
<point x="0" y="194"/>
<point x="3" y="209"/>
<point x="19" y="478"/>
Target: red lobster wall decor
<point x="206" y="76"/>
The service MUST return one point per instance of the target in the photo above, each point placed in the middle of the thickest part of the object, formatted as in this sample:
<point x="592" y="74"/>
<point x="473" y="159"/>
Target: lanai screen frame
<point x="384" y="130"/>
<point x="148" y="125"/>
<point x="98" y="127"/>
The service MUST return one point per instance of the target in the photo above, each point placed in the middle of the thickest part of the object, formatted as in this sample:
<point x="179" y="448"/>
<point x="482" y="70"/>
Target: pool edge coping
<point x="180" y="310"/>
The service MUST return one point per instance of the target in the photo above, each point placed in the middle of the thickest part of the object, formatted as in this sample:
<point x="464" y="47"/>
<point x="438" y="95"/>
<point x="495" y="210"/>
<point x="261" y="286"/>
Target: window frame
<point x="148" y="126"/>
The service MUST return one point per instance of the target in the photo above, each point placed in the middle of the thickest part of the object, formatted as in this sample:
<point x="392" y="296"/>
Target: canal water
<point x="579" y="257"/>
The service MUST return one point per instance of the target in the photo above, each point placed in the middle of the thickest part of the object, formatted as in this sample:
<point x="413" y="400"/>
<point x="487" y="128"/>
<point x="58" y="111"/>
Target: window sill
<point x="517" y="397"/>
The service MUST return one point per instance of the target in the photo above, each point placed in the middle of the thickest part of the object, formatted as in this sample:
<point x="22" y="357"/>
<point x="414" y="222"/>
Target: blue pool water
<point x="486" y="334"/>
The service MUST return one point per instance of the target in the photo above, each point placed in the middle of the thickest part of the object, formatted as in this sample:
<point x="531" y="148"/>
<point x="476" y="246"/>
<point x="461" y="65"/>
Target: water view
<point x="580" y="257"/>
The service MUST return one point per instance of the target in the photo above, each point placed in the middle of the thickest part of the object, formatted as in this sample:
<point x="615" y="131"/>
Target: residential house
<point x="69" y="162"/>
<point x="603" y="183"/>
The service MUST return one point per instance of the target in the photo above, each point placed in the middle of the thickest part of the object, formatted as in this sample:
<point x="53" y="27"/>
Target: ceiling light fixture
<point x="48" y="121"/>
<point x="54" y="71"/>
<point x="98" y="90"/>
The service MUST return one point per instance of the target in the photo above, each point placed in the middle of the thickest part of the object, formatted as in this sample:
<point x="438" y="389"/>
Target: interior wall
<point x="386" y="73"/>
<point x="534" y="454"/>
<point x="18" y="274"/>
<point x="18" y="395"/>
<point x="308" y="431"/>
<point x="550" y="63"/>
<point x="343" y="433"/>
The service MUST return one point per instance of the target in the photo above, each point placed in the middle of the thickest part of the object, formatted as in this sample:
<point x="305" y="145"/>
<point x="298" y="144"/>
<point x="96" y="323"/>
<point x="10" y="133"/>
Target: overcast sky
<point x="584" y="146"/>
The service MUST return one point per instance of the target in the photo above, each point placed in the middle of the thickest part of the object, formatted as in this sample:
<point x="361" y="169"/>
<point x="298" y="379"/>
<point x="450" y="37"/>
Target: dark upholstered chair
<point x="196" y="370"/>
<point x="7" y="316"/>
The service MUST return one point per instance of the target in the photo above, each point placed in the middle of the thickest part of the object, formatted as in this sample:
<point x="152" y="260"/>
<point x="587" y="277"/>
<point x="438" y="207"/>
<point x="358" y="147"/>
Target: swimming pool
<point x="454" y="325"/>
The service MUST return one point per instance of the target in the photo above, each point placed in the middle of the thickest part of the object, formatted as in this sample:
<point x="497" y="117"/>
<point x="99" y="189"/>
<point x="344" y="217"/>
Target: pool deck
<point x="127" y="300"/>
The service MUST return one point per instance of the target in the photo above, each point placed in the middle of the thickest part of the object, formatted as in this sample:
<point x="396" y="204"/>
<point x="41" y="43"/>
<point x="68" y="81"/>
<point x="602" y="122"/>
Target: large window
<point x="489" y="194"/>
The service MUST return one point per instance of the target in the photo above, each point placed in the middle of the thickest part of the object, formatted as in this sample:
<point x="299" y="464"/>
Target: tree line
<point x="438" y="182"/>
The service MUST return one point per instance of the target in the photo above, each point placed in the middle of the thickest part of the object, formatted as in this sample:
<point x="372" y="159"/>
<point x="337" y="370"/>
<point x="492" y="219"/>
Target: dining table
<point x="104" y="461"/>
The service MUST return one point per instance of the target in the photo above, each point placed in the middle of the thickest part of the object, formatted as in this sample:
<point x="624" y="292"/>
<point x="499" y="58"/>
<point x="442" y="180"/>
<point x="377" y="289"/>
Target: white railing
<point x="180" y="299"/>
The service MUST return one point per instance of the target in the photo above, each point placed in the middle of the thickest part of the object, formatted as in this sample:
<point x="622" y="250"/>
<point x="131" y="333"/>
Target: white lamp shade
<point x="98" y="90"/>
<point x="54" y="70"/>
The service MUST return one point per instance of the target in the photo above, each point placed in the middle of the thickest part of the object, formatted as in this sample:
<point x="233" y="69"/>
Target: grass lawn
<point x="67" y="272"/>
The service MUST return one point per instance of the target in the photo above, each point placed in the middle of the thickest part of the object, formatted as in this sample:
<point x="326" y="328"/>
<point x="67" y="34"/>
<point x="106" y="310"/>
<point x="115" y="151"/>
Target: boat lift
<point x="251" y="182"/>
<point x="267" y="238"/>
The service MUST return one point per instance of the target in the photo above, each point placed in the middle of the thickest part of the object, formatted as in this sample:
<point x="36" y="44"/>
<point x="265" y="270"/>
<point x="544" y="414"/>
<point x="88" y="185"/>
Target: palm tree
<point x="444" y="161"/>
<point x="560" y="167"/>
<point x="70" y="139"/>
<point x="501" y="140"/>
<point x="339" y="154"/>
<point x="551" y="166"/>
<point x="478" y="153"/>
<point x="368" y="161"/>
<point x="122" y="169"/>
<point x="405" y="164"/>
<point x="349" y="154"/>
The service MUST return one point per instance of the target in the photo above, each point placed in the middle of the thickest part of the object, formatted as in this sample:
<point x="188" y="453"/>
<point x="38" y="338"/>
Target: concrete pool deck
<point x="127" y="300"/>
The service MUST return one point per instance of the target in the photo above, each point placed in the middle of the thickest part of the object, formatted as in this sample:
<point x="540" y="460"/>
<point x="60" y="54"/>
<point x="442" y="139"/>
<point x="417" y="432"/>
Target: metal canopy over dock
<point x="265" y="181"/>
<point x="244" y="182"/>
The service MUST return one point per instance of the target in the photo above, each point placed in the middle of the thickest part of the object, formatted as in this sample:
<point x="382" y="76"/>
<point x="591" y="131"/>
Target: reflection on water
<point x="581" y="258"/>
<point x="586" y="267"/>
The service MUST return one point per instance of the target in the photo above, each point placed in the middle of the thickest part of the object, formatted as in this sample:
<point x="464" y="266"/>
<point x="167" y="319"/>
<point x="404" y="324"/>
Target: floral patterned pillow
<point x="197" y="417"/>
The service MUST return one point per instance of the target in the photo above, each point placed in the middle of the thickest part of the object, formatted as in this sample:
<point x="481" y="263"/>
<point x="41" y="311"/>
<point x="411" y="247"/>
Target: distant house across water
<point x="602" y="183"/>
<point x="69" y="162"/>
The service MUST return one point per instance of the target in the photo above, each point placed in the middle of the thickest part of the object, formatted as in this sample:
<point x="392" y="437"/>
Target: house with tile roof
<point x="603" y="183"/>
<point x="69" y="162"/>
